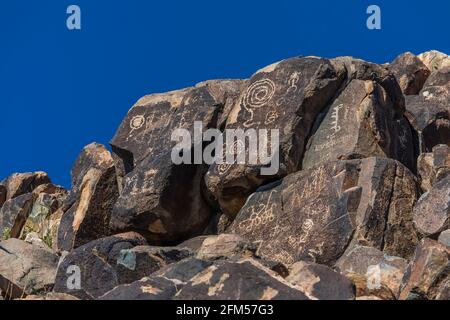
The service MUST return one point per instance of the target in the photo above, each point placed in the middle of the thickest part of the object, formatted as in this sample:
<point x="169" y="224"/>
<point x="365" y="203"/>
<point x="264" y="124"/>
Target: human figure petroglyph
<point x="293" y="81"/>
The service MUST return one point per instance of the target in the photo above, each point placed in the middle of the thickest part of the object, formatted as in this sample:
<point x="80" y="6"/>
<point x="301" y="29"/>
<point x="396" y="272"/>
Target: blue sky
<point x="61" y="89"/>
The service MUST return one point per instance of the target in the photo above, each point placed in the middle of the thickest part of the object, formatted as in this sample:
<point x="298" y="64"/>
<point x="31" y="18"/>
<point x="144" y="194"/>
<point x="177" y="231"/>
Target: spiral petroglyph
<point x="259" y="93"/>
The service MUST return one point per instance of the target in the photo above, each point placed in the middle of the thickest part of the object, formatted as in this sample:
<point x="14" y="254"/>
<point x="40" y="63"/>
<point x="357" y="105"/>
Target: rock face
<point x="91" y="200"/>
<point x="411" y="73"/>
<point x="368" y="200"/>
<point x="429" y="269"/>
<point x="25" y="269"/>
<point x="432" y="211"/>
<point x="149" y="184"/>
<point x="286" y="96"/>
<point x="433" y="166"/>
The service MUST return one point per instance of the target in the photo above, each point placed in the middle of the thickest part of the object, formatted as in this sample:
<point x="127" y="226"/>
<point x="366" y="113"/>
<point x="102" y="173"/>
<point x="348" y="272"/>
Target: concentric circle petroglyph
<point x="137" y="122"/>
<point x="259" y="93"/>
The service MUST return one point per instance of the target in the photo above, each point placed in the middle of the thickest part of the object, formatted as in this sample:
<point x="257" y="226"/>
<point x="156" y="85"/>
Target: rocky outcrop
<point x="358" y="208"/>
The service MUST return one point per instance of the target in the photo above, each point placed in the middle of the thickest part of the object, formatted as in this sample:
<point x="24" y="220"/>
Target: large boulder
<point x="26" y="269"/>
<point x="286" y="96"/>
<point x="427" y="271"/>
<point x="368" y="200"/>
<point x="21" y="183"/>
<point x="88" y="208"/>
<point x="102" y="264"/>
<point x="49" y="199"/>
<point x="410" y="71"/>
<point x="14" y="214"/>
<point x="432" y="212"/>
<point x="429" y="111"/>
<point x="361" y="122"/>
<point x="320" y="281"/>
<point x="149" y="180"/>
<point x="433" y="166"/>
<point x="113" y="261"/>
<point x="245" y="279"/>
<point x="435" y="60"/>
<point x="374" y="272"/>
<point x="161" y="285"/>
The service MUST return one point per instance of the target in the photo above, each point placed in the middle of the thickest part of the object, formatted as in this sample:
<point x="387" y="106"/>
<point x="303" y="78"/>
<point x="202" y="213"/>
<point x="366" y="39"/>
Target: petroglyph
<point x="259" y="93"/>
<point x="335" y="127"/>
<point x="137" y="122"/>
